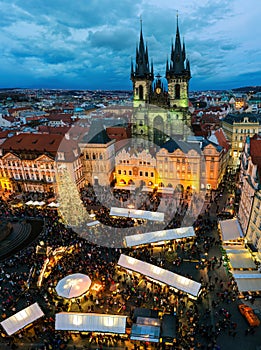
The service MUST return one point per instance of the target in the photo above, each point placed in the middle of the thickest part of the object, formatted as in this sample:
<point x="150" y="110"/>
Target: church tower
<point x="178" y="75"/>
<point x="160" y="106"/>
<point x="141" y="75"/>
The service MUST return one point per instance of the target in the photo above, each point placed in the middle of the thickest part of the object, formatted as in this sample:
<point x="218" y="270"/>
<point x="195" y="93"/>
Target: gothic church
<point x="160" y="111"/>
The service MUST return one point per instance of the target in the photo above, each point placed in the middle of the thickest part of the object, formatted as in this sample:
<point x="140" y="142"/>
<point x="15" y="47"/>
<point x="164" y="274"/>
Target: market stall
<point x="247" y="281"/>
<point x="22" y="319"/>
<point x="156" y="273"/>
<point x="73" y="286"/>
<point x="239" y="257"/>
<point x="137" y="214"/>
<point x="230" y="231"/>
<point x="90" y="322"/>
<point x="159" y="236"/>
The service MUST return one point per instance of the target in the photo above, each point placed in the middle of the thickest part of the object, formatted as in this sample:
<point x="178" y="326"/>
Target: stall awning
<point x="125" y="188"/>
<point x="248" y="281"/>
<point x="90" y="322"/>
<point x="145" y="333"/>
<point x="137" y="214"/>
<point x="158" y="274"/>
<point x="159" y="236"/>
<point x="230" y="230"/>
<point x="93" y="223"/>
<point x="22" y="318"/>
<point x="166" y="190"/>
<point x="239" y="257"/>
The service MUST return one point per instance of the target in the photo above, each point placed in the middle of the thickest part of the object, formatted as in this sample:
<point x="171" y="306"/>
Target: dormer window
<point x="60" y="155"/>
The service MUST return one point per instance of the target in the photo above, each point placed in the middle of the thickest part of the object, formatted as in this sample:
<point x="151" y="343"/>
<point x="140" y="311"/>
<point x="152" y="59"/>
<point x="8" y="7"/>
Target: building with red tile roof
<point x="29" y="162"/>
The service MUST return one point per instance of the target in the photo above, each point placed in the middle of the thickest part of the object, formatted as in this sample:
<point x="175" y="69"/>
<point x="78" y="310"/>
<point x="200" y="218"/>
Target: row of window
<point x="141" y="173"/>
<point x="128" y="162"/>
<point x="94" y="156"/>
<point x="30" y="165"/>
<point x="246" y="131"/>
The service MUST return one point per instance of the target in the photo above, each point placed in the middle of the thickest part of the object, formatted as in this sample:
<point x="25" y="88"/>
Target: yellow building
<point x="184" y="166"/>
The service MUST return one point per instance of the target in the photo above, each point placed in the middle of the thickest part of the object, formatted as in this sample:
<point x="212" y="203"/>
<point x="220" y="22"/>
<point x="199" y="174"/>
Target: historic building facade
<point x="185" y="166"/>
<point x="31" y="162"/>
<point x="249" y="213"/>
<point x="237" y="127"/>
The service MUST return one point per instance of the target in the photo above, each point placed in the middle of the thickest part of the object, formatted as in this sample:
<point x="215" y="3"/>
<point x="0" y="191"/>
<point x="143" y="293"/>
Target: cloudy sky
<point x="88" y="44"/>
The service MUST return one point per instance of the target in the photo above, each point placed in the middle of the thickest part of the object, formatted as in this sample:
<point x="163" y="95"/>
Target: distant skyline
<point x="84" y="44"/>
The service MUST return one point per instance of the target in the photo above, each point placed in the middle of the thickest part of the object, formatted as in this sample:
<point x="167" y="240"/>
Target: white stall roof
<point x="93" y="223"/>
<point x="239" y="257"/>
<point x="230" y="230"/>
<point x="159" y="236"/>
<point x="248" y="281"/>
<point x="137" y="214"/>
<point x="158" y="274"/>
<point x="90" y="322"/>
<point x="22" y="318"/>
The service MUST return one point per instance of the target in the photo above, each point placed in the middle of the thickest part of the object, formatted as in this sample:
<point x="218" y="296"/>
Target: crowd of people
<point x="198" y="326"/>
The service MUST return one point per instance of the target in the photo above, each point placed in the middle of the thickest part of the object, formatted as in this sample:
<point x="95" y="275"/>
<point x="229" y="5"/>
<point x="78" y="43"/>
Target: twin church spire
<point x="178" y="65"/>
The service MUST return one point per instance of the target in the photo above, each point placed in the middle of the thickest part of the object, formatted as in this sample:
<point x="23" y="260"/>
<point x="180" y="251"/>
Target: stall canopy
<point x="159" y="236"/>
<point x="158" y="274"/>
<point x="145" y="333"/>
<point x="239" y="257"/>
<point x="248" y="281"/>
<point x="137" y="214"/>
<point x="93" y="223"/>
<point x="90" y="322"/>
<point x="230" y="230"/>
<point x="22" y="318"/>
<point x="73" y="286"/>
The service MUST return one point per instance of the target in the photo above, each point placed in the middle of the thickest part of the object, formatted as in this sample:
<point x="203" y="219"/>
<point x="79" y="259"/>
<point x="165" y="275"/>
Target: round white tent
<point x="73" y="286"/>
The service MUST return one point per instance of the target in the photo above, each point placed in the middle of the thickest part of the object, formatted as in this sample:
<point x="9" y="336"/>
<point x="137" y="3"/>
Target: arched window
<point x="141" y="92"/>
<point x="177" y="91"/>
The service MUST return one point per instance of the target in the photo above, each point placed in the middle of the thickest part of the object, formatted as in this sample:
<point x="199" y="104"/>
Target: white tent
<point x="90" y="322"/>
<point x="137" y="214"/>
<point x="230" y="230"/>
<point x="126" y="188"/>
<point x="239" y="257"/>
<point x="22" y="318"/>
<point x="29" y="203"/>
<point x="73" y="286"/>
<point x="41" y="203"/>
<point x="53" y="205"/>
<point x="93" y="223"/>
<point x="159" y="236"/>
<point x="166" y="190"/>
<point x="158" y="274"/>
<point x="248" y="281"/>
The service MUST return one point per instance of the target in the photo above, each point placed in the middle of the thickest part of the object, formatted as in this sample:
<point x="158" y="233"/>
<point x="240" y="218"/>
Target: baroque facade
<point x="31" y="162"/>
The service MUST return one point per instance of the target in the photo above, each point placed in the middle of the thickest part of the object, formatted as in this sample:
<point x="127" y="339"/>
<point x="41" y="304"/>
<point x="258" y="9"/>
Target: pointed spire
<point x="132" y="69"/>
<point x="152" y="70"/>
<point x="167" y="66"/>
<point x="142" y="57"/>
<point x="177" y="40"/>
<point x="183" y="50"/>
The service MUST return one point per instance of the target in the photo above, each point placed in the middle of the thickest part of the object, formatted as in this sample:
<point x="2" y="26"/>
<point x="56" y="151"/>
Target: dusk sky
<point x="88" y="44"/>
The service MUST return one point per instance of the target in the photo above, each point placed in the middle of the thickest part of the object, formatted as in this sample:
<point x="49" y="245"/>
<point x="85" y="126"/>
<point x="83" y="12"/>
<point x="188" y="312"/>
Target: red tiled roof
<point x="53" y="130"/>
<point x="221" y="138"/>
<point x="39" y="144"/>
<point x="255" y="149"/>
